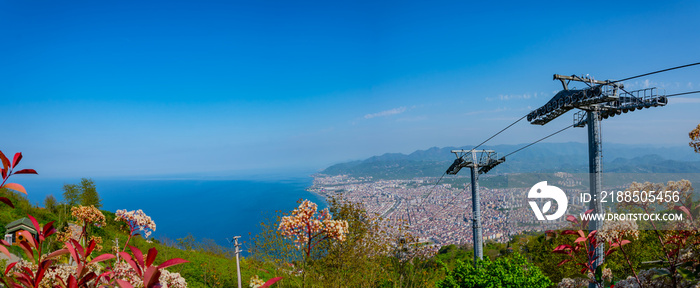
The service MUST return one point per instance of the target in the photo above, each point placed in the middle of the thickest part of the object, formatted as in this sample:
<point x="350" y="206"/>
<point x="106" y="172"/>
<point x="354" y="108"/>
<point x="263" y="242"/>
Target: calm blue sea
<point x="214" y="209"/>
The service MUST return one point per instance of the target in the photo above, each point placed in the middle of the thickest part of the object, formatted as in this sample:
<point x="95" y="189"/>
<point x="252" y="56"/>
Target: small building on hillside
<point x="12" y="230"/>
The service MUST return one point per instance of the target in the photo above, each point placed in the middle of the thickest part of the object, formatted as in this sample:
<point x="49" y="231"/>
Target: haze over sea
<point x="214" y="209"/>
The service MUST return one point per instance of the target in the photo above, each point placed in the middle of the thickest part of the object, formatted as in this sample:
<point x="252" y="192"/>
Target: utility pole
<point x="602" y="99"/>
<point x="486" y="160"/>
<point x="237" y="251"/>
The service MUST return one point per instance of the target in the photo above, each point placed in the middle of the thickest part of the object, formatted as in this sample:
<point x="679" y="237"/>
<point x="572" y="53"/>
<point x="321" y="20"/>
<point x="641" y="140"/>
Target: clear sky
<point x="120" y="88"/>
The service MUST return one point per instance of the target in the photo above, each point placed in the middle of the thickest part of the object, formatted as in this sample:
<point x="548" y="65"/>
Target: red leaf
<point x="101" y="258"/>
<point x="27" y="249"/>
<point x="86" y="279"/>
<point x="151" y="256"/>
<point x="131" y="262"/>
<point x="5" y="251"/>
<point x="18" y="157"/>
<point x="26" y="279"/>
<point x="7" y="202"/>
<point x="91" y="246"/>
<point x="5" y="161"/>
<point x="580" y="239"/>
<point x="105" y="275"/>
<point x="72" y="283"/>
<point x="684" y="210"/>
<point x="563" y="261"/>
<point x="72" y="251"/>
<point x="26" y="171"/>
<point x="572" y="218"/>
<point x="58" y="253"/>
<point x="149" y="277"/>
<point x="3" y="172"/>
<point x="34" y="222"/>
<point x="563" y="247"/>
<point x="569" y="232"/>
<point x="30" y="239"/>
<point x="41" y="270"/>
<point x="124" y="284"/>
<point x="590" y="235"/>
<point x="270" y="282"/>
<point x="48" y="229"/>
<point x="9" y="267"/>
<point x="78" y="248"/>
<point x="624" y="242"/>
<point x="172" y="262"/>
<point x="16" y="187"/>
<point x="138" y="255"/>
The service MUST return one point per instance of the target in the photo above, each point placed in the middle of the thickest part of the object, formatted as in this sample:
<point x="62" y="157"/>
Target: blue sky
<point x="123" y="88"/>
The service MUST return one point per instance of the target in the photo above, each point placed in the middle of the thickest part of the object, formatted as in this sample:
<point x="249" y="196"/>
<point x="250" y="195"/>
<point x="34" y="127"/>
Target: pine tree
<point x="89" y="194"/>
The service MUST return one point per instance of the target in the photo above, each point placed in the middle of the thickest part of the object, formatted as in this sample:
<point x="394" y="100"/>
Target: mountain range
<point x="569" y="157"/>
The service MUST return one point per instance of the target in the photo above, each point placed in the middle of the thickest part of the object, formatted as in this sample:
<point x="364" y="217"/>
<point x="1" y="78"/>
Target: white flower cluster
<point x="137" y="220"/>
<point x="123" y="271"/>
<point x="615" y="231"/>
<point x="167" y="279"/>
<point x="573" y="283"/>
<point x="256" y="282"/>
<point x="171" y="280"/>
<point x="55" y="272"/>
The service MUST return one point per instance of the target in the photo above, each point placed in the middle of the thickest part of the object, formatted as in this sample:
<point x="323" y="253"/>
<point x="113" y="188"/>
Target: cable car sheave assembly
<point x="609" y="97"/>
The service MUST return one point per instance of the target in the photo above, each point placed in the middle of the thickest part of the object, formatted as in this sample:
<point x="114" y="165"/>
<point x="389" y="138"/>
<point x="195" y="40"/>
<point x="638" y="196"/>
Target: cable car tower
<point x="486" y="160"/>
<point x="602" y="99"/>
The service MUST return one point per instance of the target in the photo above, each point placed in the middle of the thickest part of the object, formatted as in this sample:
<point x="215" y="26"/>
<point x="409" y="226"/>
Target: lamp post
<point x="237" y="251"/>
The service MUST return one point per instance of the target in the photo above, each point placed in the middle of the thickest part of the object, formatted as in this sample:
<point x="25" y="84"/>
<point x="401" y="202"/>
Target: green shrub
<point x="507" y="271"/>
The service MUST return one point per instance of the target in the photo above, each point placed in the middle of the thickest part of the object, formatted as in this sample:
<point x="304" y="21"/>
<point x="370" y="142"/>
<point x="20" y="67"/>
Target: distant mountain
<point x="543" y="157"/>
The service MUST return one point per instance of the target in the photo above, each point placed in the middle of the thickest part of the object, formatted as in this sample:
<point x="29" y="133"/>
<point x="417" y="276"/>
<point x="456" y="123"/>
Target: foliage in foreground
<point x="507" y="271"/>
<point x="74" y="265"/>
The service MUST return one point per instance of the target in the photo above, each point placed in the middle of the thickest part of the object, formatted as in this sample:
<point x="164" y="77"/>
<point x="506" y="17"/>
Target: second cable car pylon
<point x="481" y="161"/>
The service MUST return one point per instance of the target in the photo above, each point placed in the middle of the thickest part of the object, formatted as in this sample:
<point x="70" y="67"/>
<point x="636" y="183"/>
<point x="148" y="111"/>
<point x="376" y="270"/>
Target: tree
<point x="84" y="194"/>
<point x="695" y="139"/>
<point x="89" y="194"/>
<point x="50" y="203"/>
<point x="71" y="193"/>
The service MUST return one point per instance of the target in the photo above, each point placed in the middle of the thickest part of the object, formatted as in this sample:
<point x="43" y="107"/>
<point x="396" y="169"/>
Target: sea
<point x="207" y="209"/>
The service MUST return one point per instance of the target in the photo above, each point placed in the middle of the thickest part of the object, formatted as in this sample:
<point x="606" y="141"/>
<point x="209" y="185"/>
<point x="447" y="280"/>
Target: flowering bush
<point x="307" y="230"/>
<point x="88" y="215"/>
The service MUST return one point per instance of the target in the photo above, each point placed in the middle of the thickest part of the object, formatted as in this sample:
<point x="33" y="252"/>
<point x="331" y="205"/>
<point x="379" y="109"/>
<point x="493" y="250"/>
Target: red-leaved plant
<point x="148" y="273"/>
<point x="585" y="244"/>
<point x="81" y="256"/>
<point x="7" y="170"/>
